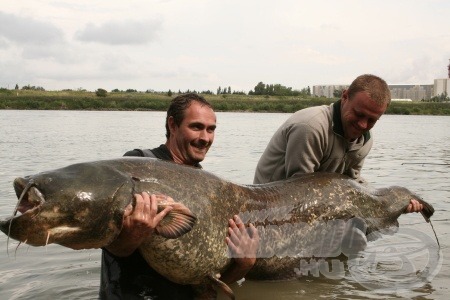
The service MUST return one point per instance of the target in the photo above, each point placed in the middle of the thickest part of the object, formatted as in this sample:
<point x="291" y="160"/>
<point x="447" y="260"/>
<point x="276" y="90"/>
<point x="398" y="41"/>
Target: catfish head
<point x="80" y="206"/>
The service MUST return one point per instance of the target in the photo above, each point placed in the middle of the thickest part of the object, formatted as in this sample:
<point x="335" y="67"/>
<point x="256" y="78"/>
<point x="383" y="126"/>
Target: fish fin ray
<point x="354" y="238"/>
<point x="209" y="291"/>
<point x="180" y="220"/>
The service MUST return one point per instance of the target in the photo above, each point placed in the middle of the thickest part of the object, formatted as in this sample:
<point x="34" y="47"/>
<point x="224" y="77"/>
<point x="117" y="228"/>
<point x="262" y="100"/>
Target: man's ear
<point x="344" y="96"/>
<point x="172" y="125"/>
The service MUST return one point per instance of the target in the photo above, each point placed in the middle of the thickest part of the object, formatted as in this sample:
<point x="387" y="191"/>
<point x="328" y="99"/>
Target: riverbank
<point x="82" y="100"/>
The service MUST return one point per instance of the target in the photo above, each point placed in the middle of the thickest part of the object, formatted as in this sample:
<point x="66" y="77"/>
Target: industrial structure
<point x="414" y="92"/>
<point x="442" y="86"/>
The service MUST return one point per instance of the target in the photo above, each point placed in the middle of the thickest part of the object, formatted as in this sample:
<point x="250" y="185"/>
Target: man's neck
<point x="177" y="157"/>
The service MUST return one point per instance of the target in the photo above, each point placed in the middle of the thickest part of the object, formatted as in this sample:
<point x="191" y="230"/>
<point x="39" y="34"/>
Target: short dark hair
<point x="373" y="85"/>
<point x="179" y="105"/>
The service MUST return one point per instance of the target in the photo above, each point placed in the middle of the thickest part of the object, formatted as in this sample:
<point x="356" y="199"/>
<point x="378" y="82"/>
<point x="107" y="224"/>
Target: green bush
<point x="101" y="93"/>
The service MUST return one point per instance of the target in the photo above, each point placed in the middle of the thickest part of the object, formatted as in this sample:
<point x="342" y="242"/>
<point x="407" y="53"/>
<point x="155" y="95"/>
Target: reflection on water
<point x="34" y="141"/>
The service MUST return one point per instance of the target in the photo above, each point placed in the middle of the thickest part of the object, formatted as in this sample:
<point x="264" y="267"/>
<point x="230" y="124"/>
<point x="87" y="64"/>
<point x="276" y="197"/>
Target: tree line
<point x="260" y="89"/>
<point x="278" y="90"/>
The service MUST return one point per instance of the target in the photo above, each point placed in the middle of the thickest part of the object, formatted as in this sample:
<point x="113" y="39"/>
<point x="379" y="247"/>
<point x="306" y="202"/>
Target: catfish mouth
<point x="30" y="199"/>
<point x="29" y="196"/>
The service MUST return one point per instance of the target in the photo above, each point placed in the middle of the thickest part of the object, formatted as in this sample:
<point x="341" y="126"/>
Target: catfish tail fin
<point x="427" y="210"/>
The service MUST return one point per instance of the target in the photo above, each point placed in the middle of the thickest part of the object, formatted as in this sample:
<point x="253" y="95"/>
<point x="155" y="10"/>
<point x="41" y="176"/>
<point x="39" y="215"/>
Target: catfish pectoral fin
<point x="221" y="286"/>
<point x="354" y="239"/>
<point x="208" y="291"/>
<point x="180" y="220"/>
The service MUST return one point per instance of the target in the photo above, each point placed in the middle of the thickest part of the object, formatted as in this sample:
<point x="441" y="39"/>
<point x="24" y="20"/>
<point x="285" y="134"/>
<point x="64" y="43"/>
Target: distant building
<point x="448" y="68"/>
<point x="414" y="92"/>
<point x="401" y="100"/>
<point x="327" y="91"/>
<point x="441" y="86"/>
<point x="408" y="92"/>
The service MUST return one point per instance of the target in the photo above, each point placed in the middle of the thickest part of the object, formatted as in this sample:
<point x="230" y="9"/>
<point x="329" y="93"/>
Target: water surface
<point x="409" y="151"/>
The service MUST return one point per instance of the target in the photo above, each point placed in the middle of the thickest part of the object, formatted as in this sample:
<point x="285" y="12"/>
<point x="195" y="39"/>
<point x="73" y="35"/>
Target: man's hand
<point x="143" y="219"/>
<point x="139" y="223"/>
<point x="243" y="243"/>
<point x="414" y="206"/>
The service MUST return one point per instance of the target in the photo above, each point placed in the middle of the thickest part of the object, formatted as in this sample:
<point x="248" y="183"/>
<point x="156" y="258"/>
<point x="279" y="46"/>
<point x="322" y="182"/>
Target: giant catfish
<point x="82" y="206"/>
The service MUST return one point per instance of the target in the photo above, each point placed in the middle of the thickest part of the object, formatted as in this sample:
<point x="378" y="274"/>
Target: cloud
<point x="121" y="33"/>
<point x="308" y="55"/>
<point x="417" y="70"/>
<point x="3" y="43"/>
<point x="28" y="31"/>
<point x="139" y="44"/>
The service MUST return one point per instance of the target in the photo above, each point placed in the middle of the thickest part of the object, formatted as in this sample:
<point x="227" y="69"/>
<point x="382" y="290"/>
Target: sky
<point x="201" y="45"/>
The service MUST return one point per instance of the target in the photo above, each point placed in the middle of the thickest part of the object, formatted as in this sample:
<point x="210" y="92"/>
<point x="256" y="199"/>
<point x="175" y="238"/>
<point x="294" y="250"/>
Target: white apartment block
<point x="441" y="86"/>
<point x="415" y="92"/>
<point x="327" y="91"/>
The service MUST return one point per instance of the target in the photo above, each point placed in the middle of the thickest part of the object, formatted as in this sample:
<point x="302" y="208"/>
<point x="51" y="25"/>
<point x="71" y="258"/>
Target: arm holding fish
<point x="243" y="243"/>
<point x="138" y="224"/>
<point x="414" y="205"/>
<point x="311" y="148"/>
<point x="355" y="172"/>
<point x="304" y="148"/>
<point x="304" y="151"/>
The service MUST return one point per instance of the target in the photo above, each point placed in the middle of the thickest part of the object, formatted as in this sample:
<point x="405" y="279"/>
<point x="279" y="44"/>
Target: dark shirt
<point x="131" y="277"/>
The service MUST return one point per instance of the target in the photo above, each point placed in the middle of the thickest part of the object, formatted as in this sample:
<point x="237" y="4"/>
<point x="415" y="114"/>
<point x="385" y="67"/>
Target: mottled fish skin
<point x="84" y="203"/>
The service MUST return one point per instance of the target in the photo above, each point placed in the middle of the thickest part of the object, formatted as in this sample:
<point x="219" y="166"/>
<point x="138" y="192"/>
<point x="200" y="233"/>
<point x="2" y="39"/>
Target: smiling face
<point x="190" y="141"/>
<point x="359" y="114"/>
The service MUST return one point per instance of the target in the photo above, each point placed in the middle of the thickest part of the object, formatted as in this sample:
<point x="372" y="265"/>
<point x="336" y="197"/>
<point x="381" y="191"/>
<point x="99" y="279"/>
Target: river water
<point x="410" y="151"/>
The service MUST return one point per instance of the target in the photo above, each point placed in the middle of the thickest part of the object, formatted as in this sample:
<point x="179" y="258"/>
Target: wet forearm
<point x="121" y="247"/>
<point x="236" y="272"/>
